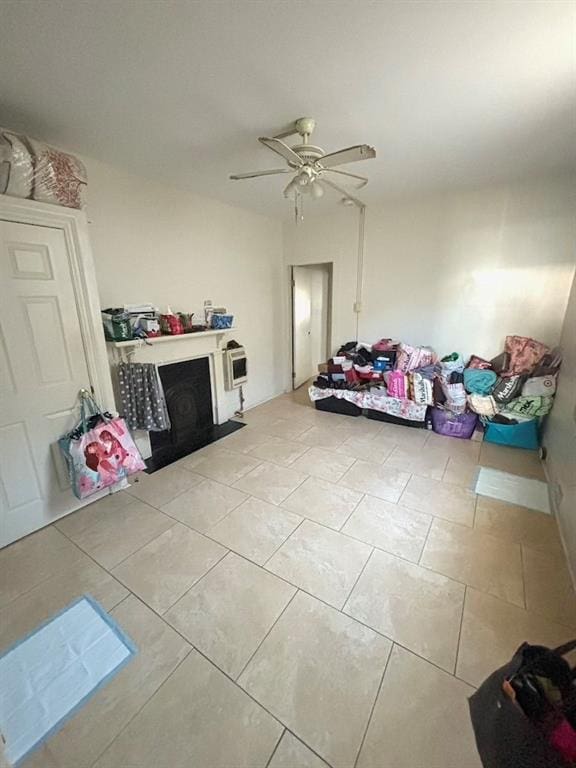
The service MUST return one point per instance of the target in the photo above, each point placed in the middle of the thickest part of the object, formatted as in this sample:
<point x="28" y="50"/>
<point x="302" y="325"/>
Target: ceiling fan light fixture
<point x="292" y="188"/>
<point x="316" y="190"/>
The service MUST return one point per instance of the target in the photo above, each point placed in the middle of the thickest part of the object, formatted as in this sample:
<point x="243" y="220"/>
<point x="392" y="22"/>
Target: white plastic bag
<point x="36" y="171"/>
<point x="539" y="386"/>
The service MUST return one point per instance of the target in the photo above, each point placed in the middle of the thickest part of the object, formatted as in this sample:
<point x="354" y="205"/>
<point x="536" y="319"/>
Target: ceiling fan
<point x="312" y="167"/>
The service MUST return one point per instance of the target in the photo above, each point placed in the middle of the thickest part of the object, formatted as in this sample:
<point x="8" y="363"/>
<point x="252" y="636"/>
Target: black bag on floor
<point x="505" y="736"/>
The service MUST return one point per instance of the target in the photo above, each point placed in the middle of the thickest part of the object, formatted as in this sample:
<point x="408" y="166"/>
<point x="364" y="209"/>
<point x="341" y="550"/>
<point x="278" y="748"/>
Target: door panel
<point x="43" y="367"/>
<point x="302" y="319"/>
<point x="310" y="319"/>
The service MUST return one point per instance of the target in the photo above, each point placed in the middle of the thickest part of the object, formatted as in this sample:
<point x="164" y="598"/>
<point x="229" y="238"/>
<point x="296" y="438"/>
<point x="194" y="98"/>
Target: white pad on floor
<point x="513" y="489"/>
<point x="49" y="675"/>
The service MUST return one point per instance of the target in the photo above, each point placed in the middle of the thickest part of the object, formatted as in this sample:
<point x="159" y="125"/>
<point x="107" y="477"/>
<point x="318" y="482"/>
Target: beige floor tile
<point x="270" y="482"/>
<point x="162" y="571"/>
<point x="31" y="560"/>
<point x="224" y="466"/>
<point x="78" y="522"/>
<point x="227" y="614"/>
<point x="198" y="718"/>
<point x="391" y="527"/>
<point x="318" y="671"/>
<point x="332" y="420"/>
<point x="279" y="451"/>
<point x="204" y="505"/>
<point x="328" y="465"/>
<point x="475" y="558"/>
<point x="325" y="437"/>
<point x="32" y="609"/>
<point x="405" y="437"/>
<point x="288" y="429"/>
<point x="111" y="535"/>
<point x="439" y="499"/>
<point x="425" y="462"/>
<point x="323" y="502"/>
<point x="162" y="486"/>
<point x="366" y="448"/>
<point x="94" y="727"/>
<point x="292" y="753"/>
<point x="377" y="480"/>
<point x="360" y="426"/>
<point x="255" y="529"/>
<point x="321" y="561"/>
<point x="460" y="471"/>
<point x="295" y="412"/>
<point x="413" y="606"/>
<point x="518" y="524"/>
<point x="193" y="459"/>
<point x="492" y="630"/>
<point x="420" y="720"/>
<point x="549" y="590"/>
<point x="463" y="450"/>
<point x="243" y="440"/>
<point x="514" y="460"/>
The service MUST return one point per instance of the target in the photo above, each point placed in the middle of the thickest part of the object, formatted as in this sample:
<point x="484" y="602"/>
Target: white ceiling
<point x="450" y="93"/>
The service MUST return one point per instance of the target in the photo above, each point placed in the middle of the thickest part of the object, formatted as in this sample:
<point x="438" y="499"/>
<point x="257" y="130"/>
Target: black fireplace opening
<point x="188" y="393"/>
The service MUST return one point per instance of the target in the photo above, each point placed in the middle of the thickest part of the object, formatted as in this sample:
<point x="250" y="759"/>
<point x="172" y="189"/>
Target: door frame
<point x="74" y="225"/>
<point x="329" y="267"/>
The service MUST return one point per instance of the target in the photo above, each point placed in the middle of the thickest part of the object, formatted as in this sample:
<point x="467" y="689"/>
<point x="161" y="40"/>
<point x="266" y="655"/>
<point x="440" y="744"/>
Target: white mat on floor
<point x="50" y="674"/>
<point x="513" y="489"/>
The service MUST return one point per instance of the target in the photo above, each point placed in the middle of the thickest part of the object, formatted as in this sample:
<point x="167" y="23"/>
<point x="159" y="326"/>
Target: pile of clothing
<point x="396" y="369"/>
<point x="516" y="387"/>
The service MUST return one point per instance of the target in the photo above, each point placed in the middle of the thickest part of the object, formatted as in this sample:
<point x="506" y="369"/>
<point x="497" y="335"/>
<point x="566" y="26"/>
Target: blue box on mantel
<point x="221" y="322"/>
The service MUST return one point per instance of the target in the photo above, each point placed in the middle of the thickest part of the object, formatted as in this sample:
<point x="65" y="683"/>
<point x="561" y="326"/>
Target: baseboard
<point x="554" y="507"/>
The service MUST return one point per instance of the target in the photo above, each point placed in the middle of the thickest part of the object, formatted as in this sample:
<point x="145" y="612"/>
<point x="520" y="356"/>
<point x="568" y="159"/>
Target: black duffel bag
<point x="505" y="736"/>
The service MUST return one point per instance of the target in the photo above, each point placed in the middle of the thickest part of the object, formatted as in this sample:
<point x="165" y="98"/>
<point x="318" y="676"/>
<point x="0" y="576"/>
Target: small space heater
<point x="235" y="368"/>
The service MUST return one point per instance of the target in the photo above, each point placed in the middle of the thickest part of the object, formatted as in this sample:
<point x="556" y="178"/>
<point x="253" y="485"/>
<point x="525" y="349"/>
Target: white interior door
<point x="42" y="367"/>
<point x="310" y="319"/>
<point x="302" y="325"/>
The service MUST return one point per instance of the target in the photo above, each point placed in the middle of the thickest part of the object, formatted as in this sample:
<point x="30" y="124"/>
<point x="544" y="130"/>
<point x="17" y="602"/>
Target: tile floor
<point x="314" y="590"/>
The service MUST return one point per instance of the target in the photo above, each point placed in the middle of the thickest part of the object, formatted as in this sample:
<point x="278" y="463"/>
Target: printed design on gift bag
<point x="100" y="452"/>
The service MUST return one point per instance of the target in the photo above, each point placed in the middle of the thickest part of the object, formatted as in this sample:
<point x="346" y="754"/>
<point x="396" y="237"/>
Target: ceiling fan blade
<point x="343" y="192"/>
<point x="349" y="155"/>
<point x="361" y="180"/>
<point x="282" y="149"/>
<point x="255" y="174"/>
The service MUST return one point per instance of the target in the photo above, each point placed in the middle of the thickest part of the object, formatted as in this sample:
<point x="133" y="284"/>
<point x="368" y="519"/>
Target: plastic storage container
<point x="222" y="321"/>
<point x="450" y="424"/>
<point x="522" y="435"/>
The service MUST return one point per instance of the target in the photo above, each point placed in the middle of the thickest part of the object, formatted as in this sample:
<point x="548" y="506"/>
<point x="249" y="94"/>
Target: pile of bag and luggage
<point x="509" y="395"/>
<point x="514" y="392"/>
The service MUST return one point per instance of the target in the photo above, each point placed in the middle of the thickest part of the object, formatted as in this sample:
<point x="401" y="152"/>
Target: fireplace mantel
<point x="164" y="350"/>
<point x="168" y="339"/>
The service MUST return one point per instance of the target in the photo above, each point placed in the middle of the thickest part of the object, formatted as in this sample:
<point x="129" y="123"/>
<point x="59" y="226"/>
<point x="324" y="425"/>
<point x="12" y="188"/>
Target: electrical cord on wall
<point x="360" y="266"/>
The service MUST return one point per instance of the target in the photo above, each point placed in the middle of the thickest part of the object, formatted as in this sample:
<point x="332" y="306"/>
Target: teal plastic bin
<point x="522" y="435"/>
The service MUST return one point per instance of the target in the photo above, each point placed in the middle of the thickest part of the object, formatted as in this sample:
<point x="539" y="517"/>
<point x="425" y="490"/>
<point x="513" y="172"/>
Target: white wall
<point x="458" y="272"/>
<point x="560" y="437"/>
<point x="157" y="244"/>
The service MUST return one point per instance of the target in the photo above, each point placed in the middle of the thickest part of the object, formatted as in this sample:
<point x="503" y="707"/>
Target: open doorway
<point x="311" y="319"/>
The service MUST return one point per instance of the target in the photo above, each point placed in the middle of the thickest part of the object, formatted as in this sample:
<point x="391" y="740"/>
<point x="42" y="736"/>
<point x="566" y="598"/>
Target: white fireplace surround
<point x="165" y="350"/>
